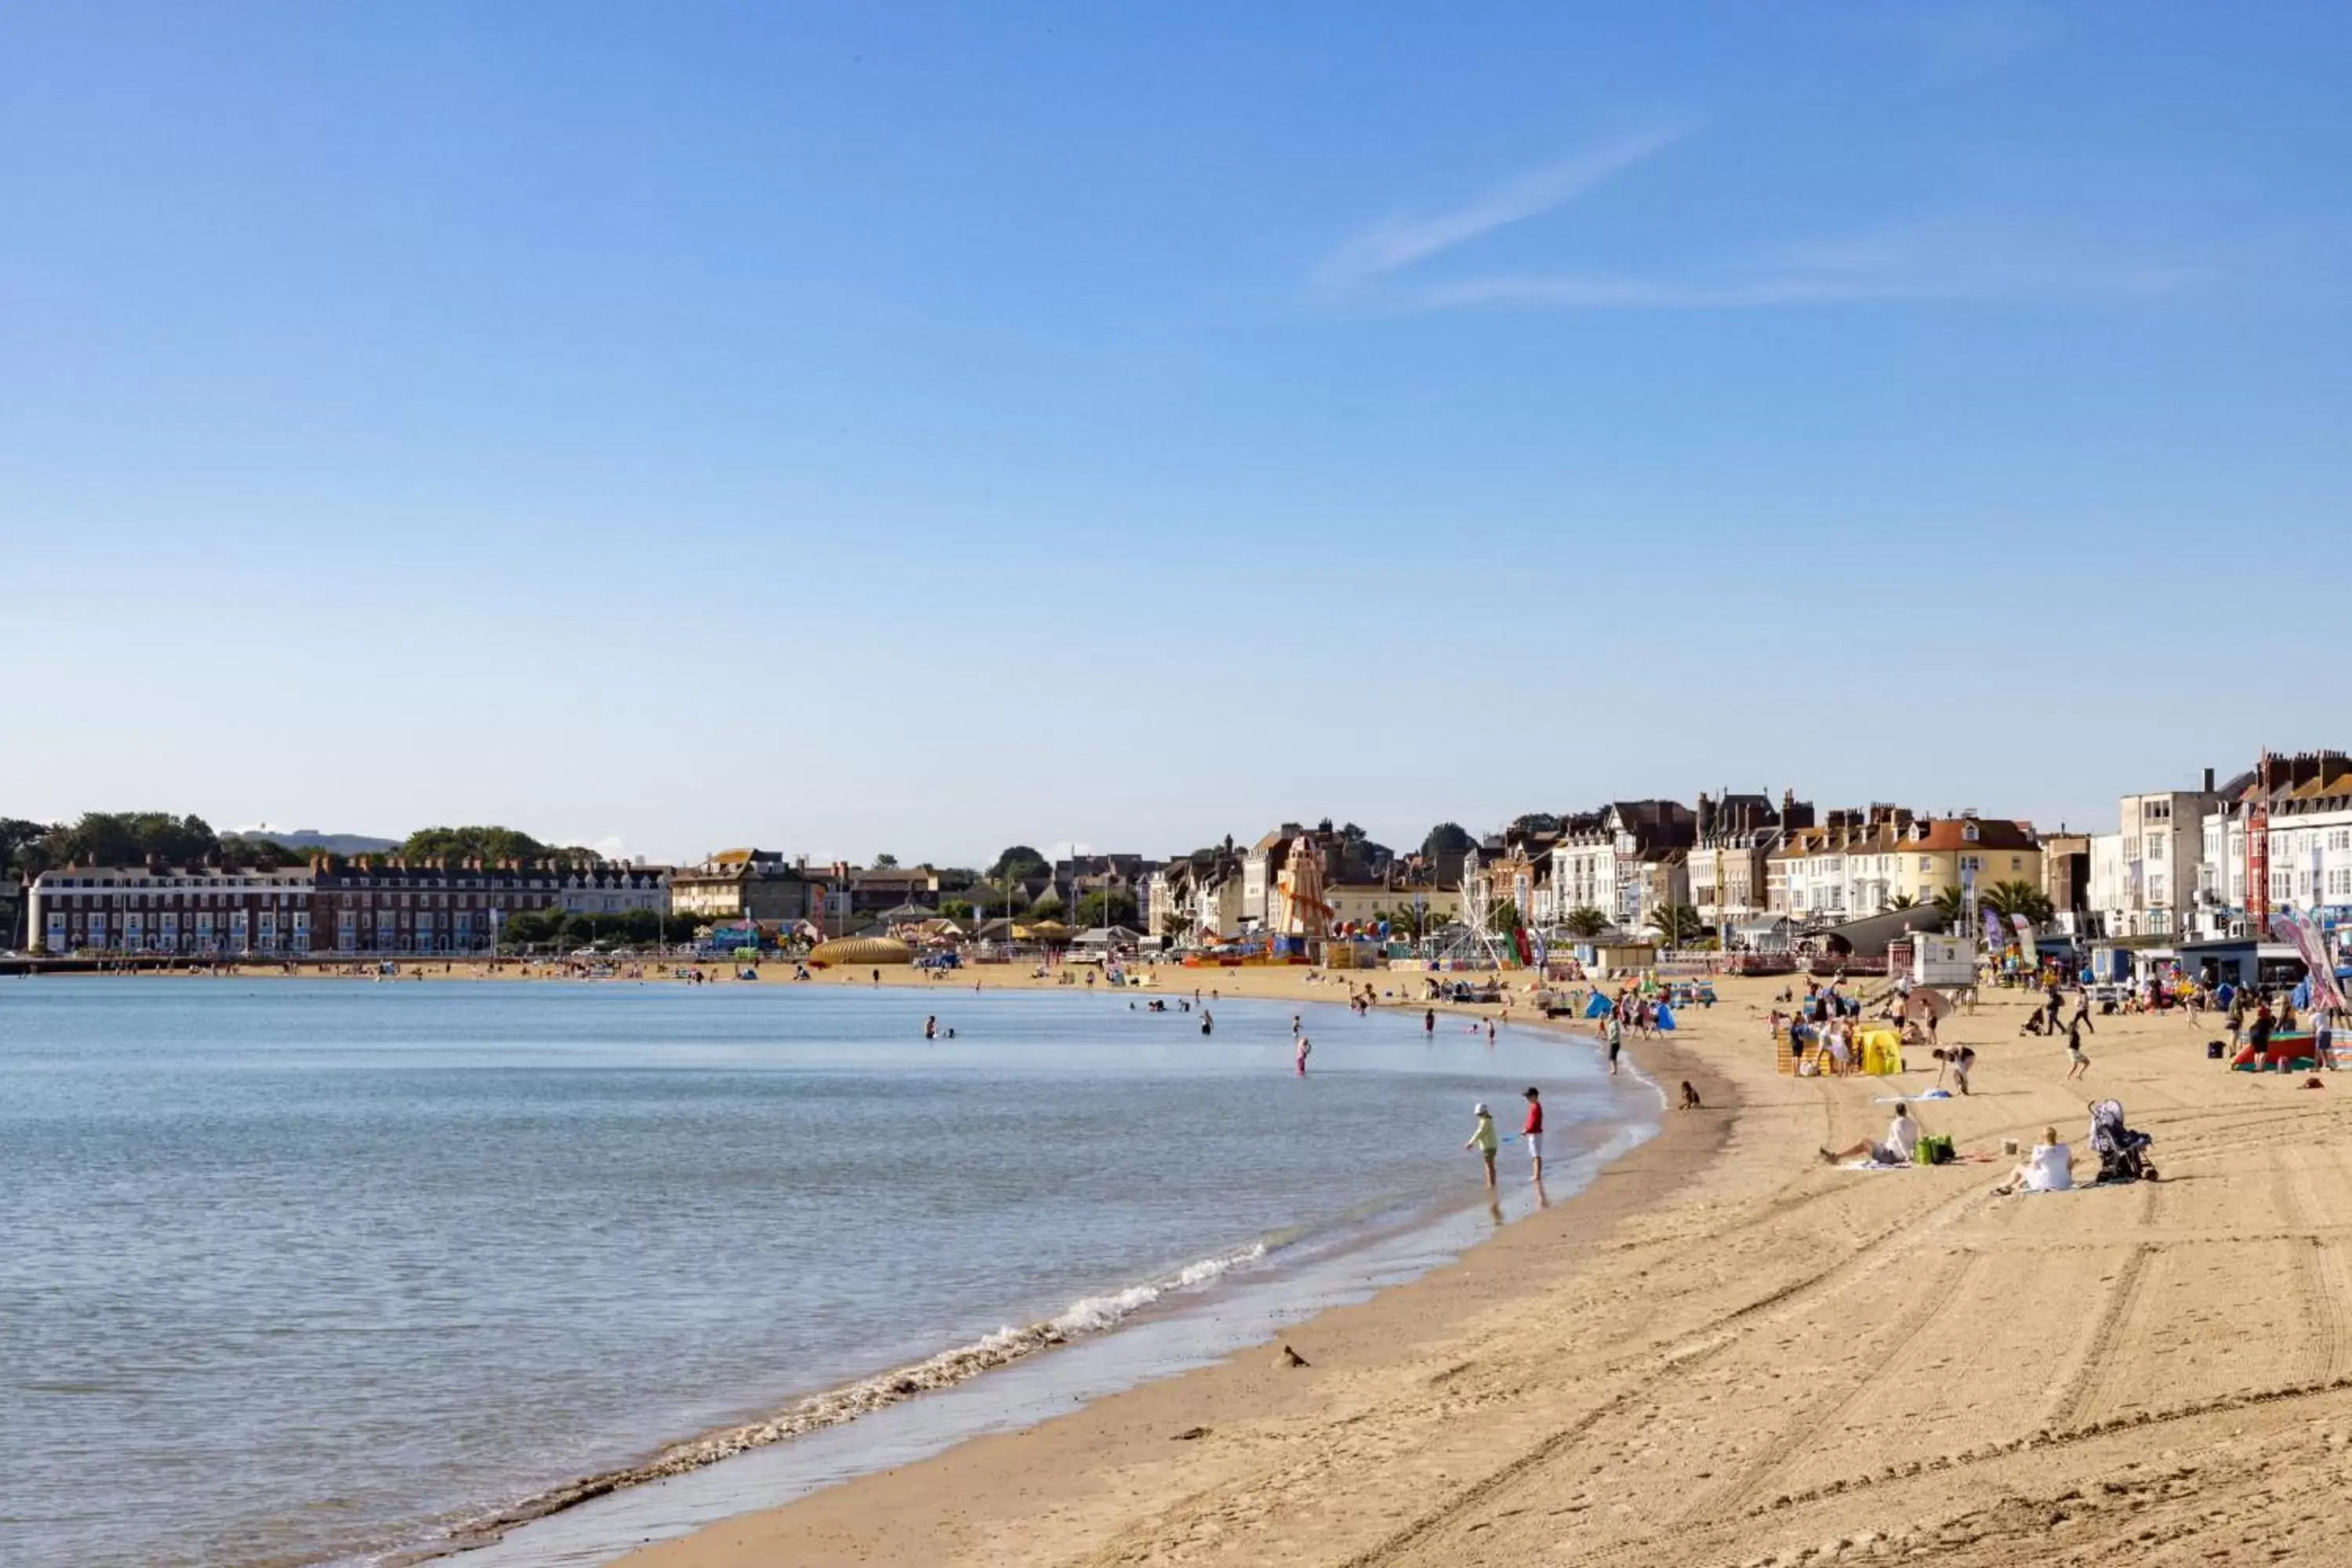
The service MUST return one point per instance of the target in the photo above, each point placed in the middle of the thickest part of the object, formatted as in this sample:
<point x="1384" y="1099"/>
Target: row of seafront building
<point x="2202" y="862"/>
<point x="385" y="905"/>
<point x="2206" y="862"/>
<point x="371" y="904"/>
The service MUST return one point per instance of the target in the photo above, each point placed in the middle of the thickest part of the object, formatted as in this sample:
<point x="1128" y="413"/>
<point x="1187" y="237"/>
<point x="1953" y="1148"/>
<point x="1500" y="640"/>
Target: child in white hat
<point x="1482" y="1140"/>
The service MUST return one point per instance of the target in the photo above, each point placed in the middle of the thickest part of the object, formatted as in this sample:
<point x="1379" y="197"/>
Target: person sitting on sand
<point x="2050" y="1168"/>
<point x="1690" y="1097"/>
<point x="1902" y="1139"/>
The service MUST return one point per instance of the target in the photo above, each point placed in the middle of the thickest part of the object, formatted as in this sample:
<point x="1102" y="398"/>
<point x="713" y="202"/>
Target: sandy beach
<point x="1726" y="1353"/>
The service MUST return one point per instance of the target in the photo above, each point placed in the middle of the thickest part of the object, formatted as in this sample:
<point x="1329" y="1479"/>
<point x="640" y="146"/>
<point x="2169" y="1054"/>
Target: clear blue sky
<point x="889" y="426"/>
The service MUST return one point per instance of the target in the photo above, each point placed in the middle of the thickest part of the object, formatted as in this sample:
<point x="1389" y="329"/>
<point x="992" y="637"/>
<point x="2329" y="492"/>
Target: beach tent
<point x="1881" y="1052"/>
<point x="1599" y="1007"/>
<point x="1666" y="1016"/>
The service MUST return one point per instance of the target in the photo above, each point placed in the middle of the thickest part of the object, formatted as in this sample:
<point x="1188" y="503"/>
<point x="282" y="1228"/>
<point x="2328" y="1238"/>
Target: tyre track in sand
<point x="1698" y="1347"/>
<point x="1794" y="1440"/>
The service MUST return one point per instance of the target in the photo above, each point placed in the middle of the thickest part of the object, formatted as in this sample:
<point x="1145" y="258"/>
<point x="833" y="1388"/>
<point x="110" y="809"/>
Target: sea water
<point x="307" y="1271"/>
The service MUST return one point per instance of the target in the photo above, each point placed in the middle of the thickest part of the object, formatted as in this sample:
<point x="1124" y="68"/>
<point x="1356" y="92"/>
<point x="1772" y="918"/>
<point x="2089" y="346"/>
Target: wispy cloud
<point x="1399" y="242"/>
<point x="1955" y="259"/>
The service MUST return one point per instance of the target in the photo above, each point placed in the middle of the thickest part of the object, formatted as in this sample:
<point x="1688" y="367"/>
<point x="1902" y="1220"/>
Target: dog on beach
<point x="1690" y="1097"/>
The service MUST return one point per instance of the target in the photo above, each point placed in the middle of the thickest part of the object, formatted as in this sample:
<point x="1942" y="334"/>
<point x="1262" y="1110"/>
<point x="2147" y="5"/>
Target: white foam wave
<point x="1088" y="1315"/>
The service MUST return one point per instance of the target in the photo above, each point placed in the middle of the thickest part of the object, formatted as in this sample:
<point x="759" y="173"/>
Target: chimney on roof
<point x="2208" y="781"/>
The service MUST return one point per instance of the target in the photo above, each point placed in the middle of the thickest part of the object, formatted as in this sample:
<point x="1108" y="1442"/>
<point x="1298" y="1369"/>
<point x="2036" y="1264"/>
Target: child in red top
<point x="1533" y="1131"/>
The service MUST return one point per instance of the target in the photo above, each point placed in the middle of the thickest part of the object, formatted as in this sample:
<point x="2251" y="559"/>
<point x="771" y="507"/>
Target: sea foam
<point x="1088" y="1315"/>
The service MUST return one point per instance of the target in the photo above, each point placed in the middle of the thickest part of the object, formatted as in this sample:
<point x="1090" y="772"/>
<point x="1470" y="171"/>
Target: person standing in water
<point x="1208" y="1022"/>
<point x="931" y="1027"/>
<point x="1482" y="1139"/>
<point x="1429" y="1025"/>
<point x="1294" y="1025"/>
<point x="1533" y="1131"/>
<point x="1305" y="1049"/>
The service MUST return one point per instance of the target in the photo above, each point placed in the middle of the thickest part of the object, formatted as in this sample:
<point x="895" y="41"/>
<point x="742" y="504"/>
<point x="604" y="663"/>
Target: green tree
<point x="127" y="838"/>
<point x="1446" y="838"/>
<point x="885" y="861"/>
<point x="640" y="925"/>
<point x="1109" y="907"/>
<point x="1585" y="921"/>
<point x="529" y="928"/>
<point x="579" y="930"/>
<point x="2019" y="898"/>
<point x="1503" y="916"/>
<point x="1676" y="924"/>
<point x="1952" y="903"/>
<point x="1535" y="822"/>
<point x="488" y="844"/>
<point x="1048" y="908"/>
<point x="681" y="928"/>
<point x="956" y="909"/>
<point x="19" y="841"/>
<point x="1898" y="902"/>
<point x="1017" y="862"/>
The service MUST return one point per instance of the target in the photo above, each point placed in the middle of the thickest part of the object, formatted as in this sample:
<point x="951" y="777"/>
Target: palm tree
<point x="2019" y="898"/>
<point x="1677" y="923"/>
<point x="1900" y="902"/>
<point x="1953" y="905"/>
<point x="1586" y="922"/>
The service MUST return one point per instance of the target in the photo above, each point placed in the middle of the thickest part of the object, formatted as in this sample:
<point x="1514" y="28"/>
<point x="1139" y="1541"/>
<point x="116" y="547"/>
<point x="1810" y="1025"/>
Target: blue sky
<point x="851" y="428"/>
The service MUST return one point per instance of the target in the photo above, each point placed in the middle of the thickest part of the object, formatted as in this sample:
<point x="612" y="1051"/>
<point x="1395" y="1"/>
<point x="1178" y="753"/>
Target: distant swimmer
<point x="931" y="1027"/>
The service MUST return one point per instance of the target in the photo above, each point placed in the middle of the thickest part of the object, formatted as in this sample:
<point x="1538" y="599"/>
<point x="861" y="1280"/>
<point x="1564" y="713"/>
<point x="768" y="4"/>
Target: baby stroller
<point x="2123" y="1154"/>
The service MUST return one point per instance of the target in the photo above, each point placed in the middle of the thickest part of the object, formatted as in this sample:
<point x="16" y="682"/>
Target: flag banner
<point x="1994" y="940"/>
<point x="2287" y="927"/>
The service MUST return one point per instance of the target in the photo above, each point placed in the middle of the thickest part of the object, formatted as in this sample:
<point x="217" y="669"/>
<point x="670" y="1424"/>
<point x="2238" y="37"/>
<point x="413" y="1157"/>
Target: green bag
<point x="1933" y="1150"/>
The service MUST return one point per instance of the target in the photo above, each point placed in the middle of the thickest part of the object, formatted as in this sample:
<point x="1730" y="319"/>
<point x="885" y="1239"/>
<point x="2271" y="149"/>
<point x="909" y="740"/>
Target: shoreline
<point x="837" y="1411"/>
<point x="1725" y="1351"/>
<point x="828" y="1521"/>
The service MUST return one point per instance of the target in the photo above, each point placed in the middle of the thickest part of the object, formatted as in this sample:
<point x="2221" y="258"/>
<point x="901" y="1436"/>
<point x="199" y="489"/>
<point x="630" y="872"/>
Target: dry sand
<point x="1724" y="1353"/>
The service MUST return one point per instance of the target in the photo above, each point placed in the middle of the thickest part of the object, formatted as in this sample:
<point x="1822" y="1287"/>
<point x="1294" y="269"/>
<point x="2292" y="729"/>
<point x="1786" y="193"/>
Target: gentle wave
<point x="1088" y="1315"/>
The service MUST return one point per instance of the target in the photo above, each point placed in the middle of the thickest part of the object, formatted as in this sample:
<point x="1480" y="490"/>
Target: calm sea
<point x="304" y="1272"/>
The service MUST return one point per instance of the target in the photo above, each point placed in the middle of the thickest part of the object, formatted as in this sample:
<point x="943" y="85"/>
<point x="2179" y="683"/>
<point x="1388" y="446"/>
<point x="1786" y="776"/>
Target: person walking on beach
<point x="1305" y="1049"/>
<point x="1482" y="1139"/>
<point x="1534" y="1130"/>
<point x="2077" y="1063"/>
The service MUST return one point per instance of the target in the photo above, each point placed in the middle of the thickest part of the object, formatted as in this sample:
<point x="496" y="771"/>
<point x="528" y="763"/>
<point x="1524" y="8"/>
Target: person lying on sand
<point x="1902" y="1139"/>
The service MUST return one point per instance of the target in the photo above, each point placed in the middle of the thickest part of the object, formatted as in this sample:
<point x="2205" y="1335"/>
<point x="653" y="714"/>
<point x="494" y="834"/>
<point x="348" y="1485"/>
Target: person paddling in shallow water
<point x="1534" y="1130"/>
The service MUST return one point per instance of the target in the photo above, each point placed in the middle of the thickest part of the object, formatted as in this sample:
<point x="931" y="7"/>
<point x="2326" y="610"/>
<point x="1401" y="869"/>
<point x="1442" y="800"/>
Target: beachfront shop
<point x="2237" y="960"/>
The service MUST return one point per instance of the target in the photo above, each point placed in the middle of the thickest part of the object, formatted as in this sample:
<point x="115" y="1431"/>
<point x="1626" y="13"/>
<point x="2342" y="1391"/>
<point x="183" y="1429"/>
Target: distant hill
<point x="305" y="840"/>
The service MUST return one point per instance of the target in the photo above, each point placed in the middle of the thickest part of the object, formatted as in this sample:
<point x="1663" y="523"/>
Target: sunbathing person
<point x="1902" y="1140"/>
<point x="2050" y="1168"/>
